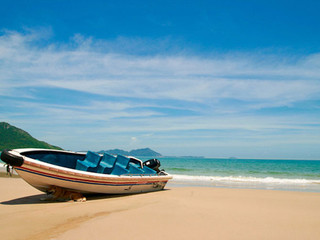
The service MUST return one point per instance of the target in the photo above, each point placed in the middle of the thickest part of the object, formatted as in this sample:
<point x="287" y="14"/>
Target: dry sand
<point x="175" y="213"/>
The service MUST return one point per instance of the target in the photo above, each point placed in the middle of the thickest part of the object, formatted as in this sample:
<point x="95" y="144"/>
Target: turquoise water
<point x="298" y="175"/>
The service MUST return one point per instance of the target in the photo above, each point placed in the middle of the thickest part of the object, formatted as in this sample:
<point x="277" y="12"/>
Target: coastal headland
<point x="175" y="213"/>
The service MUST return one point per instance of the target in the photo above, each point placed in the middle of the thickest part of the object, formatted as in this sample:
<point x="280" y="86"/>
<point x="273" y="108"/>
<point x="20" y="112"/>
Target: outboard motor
<point x="153" y="164"/>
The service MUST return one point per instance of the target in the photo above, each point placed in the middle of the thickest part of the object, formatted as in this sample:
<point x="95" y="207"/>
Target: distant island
<point x="143" y="152"/>
<point x="12" y="137"/>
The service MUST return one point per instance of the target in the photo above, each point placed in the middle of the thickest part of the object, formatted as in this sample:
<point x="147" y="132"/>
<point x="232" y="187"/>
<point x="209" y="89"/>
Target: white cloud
<point x="189" y="78"/>
<point x="125" y="93"/>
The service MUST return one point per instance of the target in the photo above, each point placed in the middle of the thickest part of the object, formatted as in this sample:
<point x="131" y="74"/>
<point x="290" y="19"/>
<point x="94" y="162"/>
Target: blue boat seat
<point x="90" y="163"/>
<point x="123" y="161"/>
<point x="135" y="169"/>
<point x="106" y="164"/>
<point x="149" y="171"/>
<point x="118" y="170"/>
<point x="121" y="166"/>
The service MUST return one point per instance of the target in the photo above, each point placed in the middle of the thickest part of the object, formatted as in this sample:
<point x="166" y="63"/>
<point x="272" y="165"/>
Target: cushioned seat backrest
<point x="123" y="161"/>
<point x="135" y="169"/>
<point x="108" y="159"/>
<point x="93" y="157"/>
<point x="148" y="170"/>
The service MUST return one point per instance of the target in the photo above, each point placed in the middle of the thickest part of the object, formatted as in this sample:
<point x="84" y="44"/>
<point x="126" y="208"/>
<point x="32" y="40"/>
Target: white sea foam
<point x="244" y="180"/>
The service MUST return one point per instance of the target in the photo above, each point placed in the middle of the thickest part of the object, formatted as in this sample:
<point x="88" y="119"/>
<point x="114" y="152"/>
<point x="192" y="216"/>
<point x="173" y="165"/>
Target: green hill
<point x="12" y="137"/>
<point x="144" y="152"/>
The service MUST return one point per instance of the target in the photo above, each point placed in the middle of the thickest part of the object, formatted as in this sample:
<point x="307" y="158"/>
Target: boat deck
<point x="93" y="162"/>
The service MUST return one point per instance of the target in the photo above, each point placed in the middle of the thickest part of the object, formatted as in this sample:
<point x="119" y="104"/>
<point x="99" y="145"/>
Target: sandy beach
<point x="175" y="213"/>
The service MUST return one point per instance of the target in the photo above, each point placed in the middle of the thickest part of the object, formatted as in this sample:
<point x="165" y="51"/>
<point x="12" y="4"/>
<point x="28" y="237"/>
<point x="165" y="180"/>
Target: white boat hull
<point x="43" y="175"/>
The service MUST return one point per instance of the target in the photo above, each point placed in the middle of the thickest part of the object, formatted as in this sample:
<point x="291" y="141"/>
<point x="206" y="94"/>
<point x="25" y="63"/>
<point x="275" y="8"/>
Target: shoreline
<point x="175" y="213"/>
<point x="301" y="187"/>
<point x="235" y="183"/>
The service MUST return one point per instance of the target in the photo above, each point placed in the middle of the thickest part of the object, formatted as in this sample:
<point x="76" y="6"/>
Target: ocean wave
<point x="245" y="180"/>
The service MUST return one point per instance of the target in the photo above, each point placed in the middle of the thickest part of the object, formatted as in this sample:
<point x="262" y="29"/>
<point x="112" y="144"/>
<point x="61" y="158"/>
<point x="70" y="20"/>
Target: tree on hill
<point x="12" y="137"/>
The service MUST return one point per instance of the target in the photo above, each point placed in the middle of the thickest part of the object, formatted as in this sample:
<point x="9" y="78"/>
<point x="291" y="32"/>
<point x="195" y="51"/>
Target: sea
<point x="273" y="174"/>
<point x="291" y="175"/>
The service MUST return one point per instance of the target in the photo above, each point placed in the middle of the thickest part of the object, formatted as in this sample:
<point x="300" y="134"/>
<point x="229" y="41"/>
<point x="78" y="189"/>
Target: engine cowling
<point x="153" y="164"/>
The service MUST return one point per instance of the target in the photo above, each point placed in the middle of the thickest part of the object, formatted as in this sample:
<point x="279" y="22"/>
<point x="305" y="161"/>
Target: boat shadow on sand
<point x="36" y="199"/>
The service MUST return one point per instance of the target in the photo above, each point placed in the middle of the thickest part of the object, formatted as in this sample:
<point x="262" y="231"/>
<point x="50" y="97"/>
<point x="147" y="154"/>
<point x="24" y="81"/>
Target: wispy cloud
<point x="84" y="81"/>
<point x="24" y="64"/>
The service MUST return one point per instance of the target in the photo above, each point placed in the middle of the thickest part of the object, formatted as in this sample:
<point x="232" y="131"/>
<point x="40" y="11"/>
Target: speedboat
<point x="86" y="173"/>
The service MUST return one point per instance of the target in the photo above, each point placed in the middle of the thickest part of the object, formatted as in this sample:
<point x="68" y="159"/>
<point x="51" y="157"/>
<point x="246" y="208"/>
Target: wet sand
<point x="175" y="213"/>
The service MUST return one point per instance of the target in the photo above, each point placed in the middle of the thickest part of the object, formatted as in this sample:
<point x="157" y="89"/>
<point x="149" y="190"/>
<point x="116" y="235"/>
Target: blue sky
<point x="210" y="78"/>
